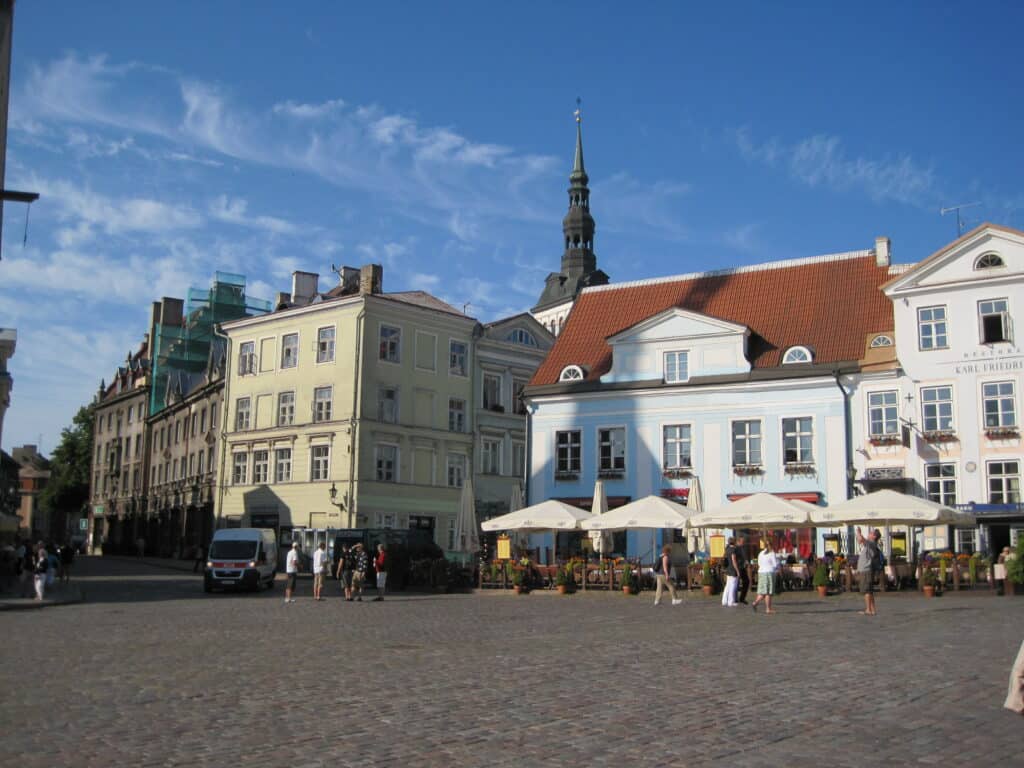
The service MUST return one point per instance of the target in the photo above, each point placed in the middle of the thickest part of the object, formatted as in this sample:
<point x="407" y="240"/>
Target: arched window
<point x="519" y="336"/>
<point x="571" y="373"/>
<point x="797" y="355"/>
<point x="989" y="260"/>
<point x="881" y="340"/>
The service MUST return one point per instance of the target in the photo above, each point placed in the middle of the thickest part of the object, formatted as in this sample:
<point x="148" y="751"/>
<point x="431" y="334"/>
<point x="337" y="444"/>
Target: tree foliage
<point x="67" y="491"/>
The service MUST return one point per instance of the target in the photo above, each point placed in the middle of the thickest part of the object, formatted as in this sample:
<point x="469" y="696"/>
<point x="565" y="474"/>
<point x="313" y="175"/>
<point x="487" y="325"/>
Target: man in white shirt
<point x="291" y="569"/>
<point x="320" y="568"/>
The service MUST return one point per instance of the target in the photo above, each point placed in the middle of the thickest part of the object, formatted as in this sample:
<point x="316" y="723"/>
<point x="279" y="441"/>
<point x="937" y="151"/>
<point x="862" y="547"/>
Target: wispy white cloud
<point x="234" y="211"/>
<point x="821" y="161"/>
<point x="308" y="111"/>
<point x="627" y="201"/>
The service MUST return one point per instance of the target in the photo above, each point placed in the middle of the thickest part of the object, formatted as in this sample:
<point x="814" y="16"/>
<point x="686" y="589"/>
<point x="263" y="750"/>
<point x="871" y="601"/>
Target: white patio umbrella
<point x="695" y="504"/>
<point x="467" y="535"/>
<point x="759" y="510"/>
<point x="648" y="512"/>
<point x="550" y="515"/>
<point x="598" y="509"/>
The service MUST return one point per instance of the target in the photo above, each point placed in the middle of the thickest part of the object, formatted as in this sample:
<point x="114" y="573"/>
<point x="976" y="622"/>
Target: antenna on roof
<point x="959" y="221"/>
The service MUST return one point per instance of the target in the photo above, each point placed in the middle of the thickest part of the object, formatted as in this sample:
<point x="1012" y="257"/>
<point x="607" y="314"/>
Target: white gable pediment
<point x="956" y="264"/>
<point x="711" y="347"/>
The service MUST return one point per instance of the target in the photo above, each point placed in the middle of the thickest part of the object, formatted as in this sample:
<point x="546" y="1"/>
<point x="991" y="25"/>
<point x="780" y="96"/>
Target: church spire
<point x="578" y="225"/>
<point x="578" y="171"/>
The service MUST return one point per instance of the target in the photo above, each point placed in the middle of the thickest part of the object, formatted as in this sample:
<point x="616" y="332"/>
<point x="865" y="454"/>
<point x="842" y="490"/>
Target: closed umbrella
<point x="600" y="540"/>
<point x="467" y="535"/>
<point x="516" y="503"/>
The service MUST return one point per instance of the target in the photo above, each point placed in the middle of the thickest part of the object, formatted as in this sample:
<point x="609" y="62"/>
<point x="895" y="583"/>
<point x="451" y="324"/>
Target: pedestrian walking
<point x="1015" y="695"/>
<point x="40" y="568"/>
<point x="67" y="558"/>
<point x="663" y="579"/>
<point x="380" y="564"/>
<point x="320" y="570"/>
<point x="743" y="571"/>
<point x="362" y="563"/>
<point x="200" y="562"/>
<point x="346" y="564"/>
<point x="732" y="575"/>
<point x="767" y="566"/>
<point x="291" y="569"/>
<point x="868" y="564"/>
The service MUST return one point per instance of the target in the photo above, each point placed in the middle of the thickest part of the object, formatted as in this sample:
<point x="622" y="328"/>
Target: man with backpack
<point x="869" y="563"/>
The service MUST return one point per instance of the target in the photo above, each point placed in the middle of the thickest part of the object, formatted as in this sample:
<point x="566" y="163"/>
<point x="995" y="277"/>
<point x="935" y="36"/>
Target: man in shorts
<point x="867" y="563"/>
<point x="320" y="570"/>
<point x="345" y="565"/>
<point x="291" y="569"/>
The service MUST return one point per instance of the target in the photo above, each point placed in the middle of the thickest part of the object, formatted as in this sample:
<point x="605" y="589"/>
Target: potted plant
<point x="519" y="581"/>
<point x="707" y="579"/>
<point x="1015" y="570"/>
<point x="821" y="579"/>
<point x="564" y="581"/>
<point x="629" y="585"/>
<point x="928" y="581"/>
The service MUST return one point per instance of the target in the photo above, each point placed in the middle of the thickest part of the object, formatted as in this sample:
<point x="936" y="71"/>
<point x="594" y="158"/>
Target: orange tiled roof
<point x="828" y="303"/>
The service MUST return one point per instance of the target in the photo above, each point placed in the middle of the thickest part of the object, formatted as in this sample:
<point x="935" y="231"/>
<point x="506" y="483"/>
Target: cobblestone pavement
<point x="152" y="672"/>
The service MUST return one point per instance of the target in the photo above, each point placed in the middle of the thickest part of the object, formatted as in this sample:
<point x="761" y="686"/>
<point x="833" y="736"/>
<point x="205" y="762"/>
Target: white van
<point x="241" y="557"/>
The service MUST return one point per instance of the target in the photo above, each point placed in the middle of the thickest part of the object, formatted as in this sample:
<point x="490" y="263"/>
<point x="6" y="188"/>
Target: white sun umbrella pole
<point x="598" y="508"/>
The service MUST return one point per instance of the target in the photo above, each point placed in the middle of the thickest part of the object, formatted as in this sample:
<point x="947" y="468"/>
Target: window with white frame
<point x="174" y="469"/>
<point x="239" y="468"/>
<point x="999" y="404"/>
<point x="746" y="443"/>
<point x="518" y="406"/>
<point x="492" y="391"/>
<point x="567" y="451"/>
<point x="213" y="415"/>
<point x="456" y="470"/>
<point x="199" y="462"/>
<point x="988" y="261"/>
<point x="940" y="483"/>
<point x="677" y="366"/>
<point x="289" y="350"/>
<point x="322" y="401"/>
<point x="195" y="423"/>
<point x="797" y="355"/>
<point x="260" y="467"/>
<point x="571" y="373"/>
<point x="130" y="412"/>
<point x="676" y="447"/>
<point x="177" y="431"/>
<point x="242" y="414"/>
<point x="883" y="413"/>
<point x="325" y="344"/>
<point x="202" y="421"/>
<point x="931" y="328"/>
<point x="387" y="463"/>
<point x="390" y="343"/>
<point x="519" y="336"/>
<point x="191" y="465"/>
<point x="798" y="440"/>
<point x="282" y="465"/>
<point x="456" y="415"/>
<point x="490" y="456"/>
<point x="321" y="462"/>
<point x="1004" y="482"/>
<point x="387" y="405"/>
<point x="519" y="459"/>
<point x="611" y="449"/>
<point x="881" y="341"/>
<point x="934" y="537"/>
<point x="246" y="358"/>
<point x="967" y="540"/>
<point x="285" y="409"/>
<point x="937" y="409"/>
<point x="994" y="317"/>
<point x="458" y="353"/>
<point x="209" y="457"/>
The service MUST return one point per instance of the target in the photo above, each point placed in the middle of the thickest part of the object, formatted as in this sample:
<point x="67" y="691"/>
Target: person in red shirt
<point x="380" y="564"/>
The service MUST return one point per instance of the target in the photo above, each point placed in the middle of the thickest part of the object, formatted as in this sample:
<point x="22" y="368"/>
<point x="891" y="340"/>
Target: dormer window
<point x="881" y="340"/>
<point x="797" y="355"/>
<point x="519" y="336"/>
<point x="571" y="373"/>
<point x="989" y="260"/>
<point x="677" y="366"/>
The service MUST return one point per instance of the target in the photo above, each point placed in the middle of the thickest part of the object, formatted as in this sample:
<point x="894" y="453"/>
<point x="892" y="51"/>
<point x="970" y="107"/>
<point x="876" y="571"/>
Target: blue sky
<point x="171" y="140"/>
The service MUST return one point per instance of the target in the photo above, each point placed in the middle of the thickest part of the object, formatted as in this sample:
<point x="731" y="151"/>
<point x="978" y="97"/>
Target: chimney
<point x="305" y="285"/>
<point x="282" y="300"/>
<point x="371" y="277"/>
<point x="883" y="251"/>
<point x="349" y="279"/>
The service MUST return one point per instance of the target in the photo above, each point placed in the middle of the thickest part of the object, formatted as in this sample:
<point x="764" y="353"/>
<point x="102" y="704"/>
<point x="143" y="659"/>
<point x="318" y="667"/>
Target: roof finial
<point x="578" y="113"/>
<point x="577" y="166"/>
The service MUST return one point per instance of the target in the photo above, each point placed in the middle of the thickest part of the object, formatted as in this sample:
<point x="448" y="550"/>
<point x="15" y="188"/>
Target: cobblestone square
<point x="149" y="671"/>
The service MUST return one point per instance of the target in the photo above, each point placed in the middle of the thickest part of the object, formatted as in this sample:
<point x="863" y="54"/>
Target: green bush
<point x="1015" y="565"/>
<point x="821" y="575"/>
<point x="707" y="576"/>
<point x="929" y="577"/>
<point x="628" y="577"/>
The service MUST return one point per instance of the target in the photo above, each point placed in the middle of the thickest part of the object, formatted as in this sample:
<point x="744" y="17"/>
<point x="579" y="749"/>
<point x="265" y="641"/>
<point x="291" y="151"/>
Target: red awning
<point x="811" y="497"/>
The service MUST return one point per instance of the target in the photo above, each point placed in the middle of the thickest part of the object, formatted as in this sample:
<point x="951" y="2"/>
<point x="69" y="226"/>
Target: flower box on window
<point x="567" y="476"/>
<point x="940" y="436"/>
<point x="885" y="440"/>
<point x="747" y="469"/>
<point x="800" y="468"/>
<point x="610" y="474"/>
<point x="676" y="473"/>
<point x="1002" y="433"/>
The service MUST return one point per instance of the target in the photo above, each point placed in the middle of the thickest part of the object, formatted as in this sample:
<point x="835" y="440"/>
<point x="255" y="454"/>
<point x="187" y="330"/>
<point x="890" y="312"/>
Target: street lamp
<point x="341" y="505"/>
<point x="851" y="479"/>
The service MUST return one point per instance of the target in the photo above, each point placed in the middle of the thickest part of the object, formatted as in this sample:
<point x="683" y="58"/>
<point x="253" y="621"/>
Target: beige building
<point x="8" y="342"/>
<point x="357" y="408"/>
<point x="119" y="452"/>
